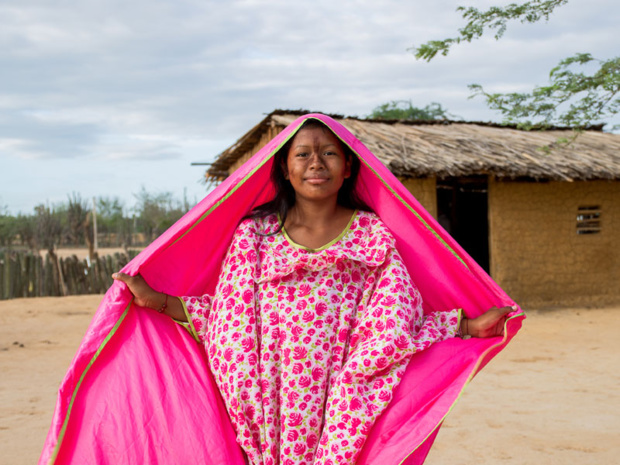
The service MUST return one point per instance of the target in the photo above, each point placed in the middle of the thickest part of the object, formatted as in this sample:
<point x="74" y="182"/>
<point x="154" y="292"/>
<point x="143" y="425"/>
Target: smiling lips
<point x="317" y="179"/>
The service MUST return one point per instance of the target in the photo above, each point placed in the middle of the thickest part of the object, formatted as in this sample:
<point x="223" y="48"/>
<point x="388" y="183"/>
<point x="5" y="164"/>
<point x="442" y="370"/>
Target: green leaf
<point x="495" y="18"/>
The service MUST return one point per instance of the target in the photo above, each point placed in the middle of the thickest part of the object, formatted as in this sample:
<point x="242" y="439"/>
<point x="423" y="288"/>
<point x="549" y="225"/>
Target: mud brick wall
<point x="538" y="257"/>
<point x="425" y="191"/>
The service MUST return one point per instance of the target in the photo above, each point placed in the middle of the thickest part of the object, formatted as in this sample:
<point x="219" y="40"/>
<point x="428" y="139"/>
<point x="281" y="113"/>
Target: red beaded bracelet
<point x="164" y="306"/>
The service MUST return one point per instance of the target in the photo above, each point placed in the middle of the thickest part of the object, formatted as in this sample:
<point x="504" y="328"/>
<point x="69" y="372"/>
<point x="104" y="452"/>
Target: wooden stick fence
<point x="23" y="274"/>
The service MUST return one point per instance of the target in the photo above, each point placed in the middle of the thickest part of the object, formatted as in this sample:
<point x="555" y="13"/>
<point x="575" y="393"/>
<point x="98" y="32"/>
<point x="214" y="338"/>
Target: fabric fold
<point x="139" y="389"/>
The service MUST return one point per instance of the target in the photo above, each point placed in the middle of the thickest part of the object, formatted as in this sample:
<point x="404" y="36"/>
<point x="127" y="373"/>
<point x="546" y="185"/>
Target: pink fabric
<point x="319" y="340"/>
<point x="139" y="390"/>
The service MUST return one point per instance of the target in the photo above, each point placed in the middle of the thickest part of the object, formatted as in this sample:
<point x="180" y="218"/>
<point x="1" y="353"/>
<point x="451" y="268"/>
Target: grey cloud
<point x="145" y="151"/>
<point x="205" y="69"/>
<point x="104" y="85"/>
<point x="33" y="138"/>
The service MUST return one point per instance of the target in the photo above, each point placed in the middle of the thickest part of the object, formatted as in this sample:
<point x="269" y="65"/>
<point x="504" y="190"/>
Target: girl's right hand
<point x="144" y="295"/>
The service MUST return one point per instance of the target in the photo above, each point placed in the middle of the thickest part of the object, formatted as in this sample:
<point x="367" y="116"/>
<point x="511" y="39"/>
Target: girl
<point x="315" y="316"/>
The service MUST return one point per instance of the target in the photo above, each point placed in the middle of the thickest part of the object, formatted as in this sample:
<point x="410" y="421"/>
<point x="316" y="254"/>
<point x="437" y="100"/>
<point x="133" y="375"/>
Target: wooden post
<point x="39" y="275"/>
<point x="50" y="284"/>
<point x="94" y="226"/>
<point x="11" y="273"/>
<point x="6" y="272"/>
<point x="22" y="290"/>
<point x="62" y="287"/>
<point x="92" y="277"/>
<point x="32" y="275"/>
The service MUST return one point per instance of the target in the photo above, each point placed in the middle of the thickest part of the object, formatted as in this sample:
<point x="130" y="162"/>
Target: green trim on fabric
<point x="248" y="176"/>
<point x="458" y="324"/>
<point x="323" y="247"/>
<point x="469" y="378"/>
<point x="188" y="325"/>
<point x="79" y="383"/>
<point x="417" y="215"/>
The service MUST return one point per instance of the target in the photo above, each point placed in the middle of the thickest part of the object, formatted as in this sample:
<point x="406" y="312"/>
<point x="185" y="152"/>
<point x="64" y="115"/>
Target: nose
<point x="316" y="161"/>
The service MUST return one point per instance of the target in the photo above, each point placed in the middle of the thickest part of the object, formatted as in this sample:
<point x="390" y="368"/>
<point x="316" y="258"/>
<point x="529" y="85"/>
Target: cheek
<point x="295" y="173"/>
<point x="288" y="169"/>
<point x="345" y="169"/>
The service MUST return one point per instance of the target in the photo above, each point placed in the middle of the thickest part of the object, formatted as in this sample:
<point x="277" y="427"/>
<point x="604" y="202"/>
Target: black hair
<point x="285" y="194"/>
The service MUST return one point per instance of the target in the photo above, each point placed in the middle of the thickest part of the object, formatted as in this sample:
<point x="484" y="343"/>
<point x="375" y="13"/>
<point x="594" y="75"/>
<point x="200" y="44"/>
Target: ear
<point x="347" y="169"/>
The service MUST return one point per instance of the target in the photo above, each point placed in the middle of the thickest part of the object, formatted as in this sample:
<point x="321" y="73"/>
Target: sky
<point x="106" y="97"/>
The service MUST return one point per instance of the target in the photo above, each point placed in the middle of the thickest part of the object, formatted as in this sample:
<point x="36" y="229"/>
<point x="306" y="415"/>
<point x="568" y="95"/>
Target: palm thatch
<point x="416" y="149"/>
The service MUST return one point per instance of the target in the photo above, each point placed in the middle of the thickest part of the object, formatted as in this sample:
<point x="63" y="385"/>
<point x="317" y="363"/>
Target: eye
<point x="301" y="154"/>
<point x="331" y="152"/>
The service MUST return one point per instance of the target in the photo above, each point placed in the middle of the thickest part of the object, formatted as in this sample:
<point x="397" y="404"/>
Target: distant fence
<point x="24" y="274"/>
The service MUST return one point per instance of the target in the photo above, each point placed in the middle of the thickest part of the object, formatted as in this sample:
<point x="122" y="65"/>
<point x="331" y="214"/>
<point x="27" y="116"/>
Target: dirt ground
<point x="552" y="397"/>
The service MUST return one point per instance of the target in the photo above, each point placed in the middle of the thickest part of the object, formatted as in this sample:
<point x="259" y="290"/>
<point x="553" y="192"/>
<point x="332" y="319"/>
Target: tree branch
<point x="495" y="18"/>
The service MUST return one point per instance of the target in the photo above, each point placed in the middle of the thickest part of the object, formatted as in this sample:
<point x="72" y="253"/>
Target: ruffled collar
<point x="365" y="240"/>
<point x="344" y="232"/>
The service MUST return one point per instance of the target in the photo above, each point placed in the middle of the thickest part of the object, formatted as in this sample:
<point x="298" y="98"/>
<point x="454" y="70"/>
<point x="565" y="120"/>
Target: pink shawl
<point x="139" y="390"/>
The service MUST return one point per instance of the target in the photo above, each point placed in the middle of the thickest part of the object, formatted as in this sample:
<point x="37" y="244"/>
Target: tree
<point x="7" y="226"/>
<point x="48" y="234"/>
<point x="572" y="98"/>
<point x="7" y="229"/>
<point x="156" y="212"/>
<point x="77" y="212"/>
<point x="117" y="228"/>
<point x="404" y="109"/>
<point x="48" y="228"/>
<point x="25" y="228"/>
<point x="80" y="223"/>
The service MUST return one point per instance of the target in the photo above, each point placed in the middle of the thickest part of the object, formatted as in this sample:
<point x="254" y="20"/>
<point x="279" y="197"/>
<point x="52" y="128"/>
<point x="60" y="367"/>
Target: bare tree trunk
<point x="88" y="236"/>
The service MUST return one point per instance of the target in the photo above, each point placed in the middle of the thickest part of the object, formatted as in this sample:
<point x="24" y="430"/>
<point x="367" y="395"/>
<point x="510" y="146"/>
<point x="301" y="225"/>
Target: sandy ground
<point x="552" y="397"/>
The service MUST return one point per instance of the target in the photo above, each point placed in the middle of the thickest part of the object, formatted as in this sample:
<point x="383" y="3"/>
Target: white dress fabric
<point x="307" y="346"/>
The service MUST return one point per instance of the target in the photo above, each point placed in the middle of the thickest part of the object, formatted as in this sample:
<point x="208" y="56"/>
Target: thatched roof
<point x="454" y="149"/>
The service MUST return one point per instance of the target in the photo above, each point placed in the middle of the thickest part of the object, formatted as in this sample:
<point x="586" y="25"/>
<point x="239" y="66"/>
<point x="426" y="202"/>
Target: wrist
<point x="464" y="328"/>
<point x="155" y="300"/>
<point x="164" y="304"/>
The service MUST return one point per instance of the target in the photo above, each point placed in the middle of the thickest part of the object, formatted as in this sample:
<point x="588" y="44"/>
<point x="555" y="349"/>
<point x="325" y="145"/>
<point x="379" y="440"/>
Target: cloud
<point x="136" y="147"/>
<point x="23" y="134"/>
<point x="160" y="80"/>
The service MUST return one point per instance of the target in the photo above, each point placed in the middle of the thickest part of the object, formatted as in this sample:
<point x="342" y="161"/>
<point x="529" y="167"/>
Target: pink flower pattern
<point x="307" y="347"/>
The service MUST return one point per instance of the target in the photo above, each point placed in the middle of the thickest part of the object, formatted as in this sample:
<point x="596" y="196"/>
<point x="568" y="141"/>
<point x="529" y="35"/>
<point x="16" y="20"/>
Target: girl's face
<point x="316" y="164"/>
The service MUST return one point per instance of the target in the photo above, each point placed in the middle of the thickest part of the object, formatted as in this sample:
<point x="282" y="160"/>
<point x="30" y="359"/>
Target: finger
<point x="120" y="277"/>
<point x="507" y="310"/>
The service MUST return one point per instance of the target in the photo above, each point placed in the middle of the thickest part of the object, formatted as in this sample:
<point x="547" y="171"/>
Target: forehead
<point x="315" y="135"/>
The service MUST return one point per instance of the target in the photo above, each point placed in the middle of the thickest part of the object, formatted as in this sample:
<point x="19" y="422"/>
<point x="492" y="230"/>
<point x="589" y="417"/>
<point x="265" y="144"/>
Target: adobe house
<point x="546" y="226"/>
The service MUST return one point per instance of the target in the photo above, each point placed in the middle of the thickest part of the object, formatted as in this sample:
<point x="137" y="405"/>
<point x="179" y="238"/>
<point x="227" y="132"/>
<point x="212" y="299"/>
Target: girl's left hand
<point x="489" y="324"/>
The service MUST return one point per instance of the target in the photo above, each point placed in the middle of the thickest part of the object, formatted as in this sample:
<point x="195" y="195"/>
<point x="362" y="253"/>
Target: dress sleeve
<point x="241" y="254"/>
<point x="197" y="312"/>
<point x="395" y="290"/>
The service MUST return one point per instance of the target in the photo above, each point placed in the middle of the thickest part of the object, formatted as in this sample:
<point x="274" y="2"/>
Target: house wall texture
<point x="537" y="255"/>
<point x="425" y="192"/>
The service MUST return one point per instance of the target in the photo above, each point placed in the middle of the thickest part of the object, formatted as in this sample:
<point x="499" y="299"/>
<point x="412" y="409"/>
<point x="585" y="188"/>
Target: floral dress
<point x="307" y="346"/>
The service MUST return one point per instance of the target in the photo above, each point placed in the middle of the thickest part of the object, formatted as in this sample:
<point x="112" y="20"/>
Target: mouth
<point x="317" y="180"/>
